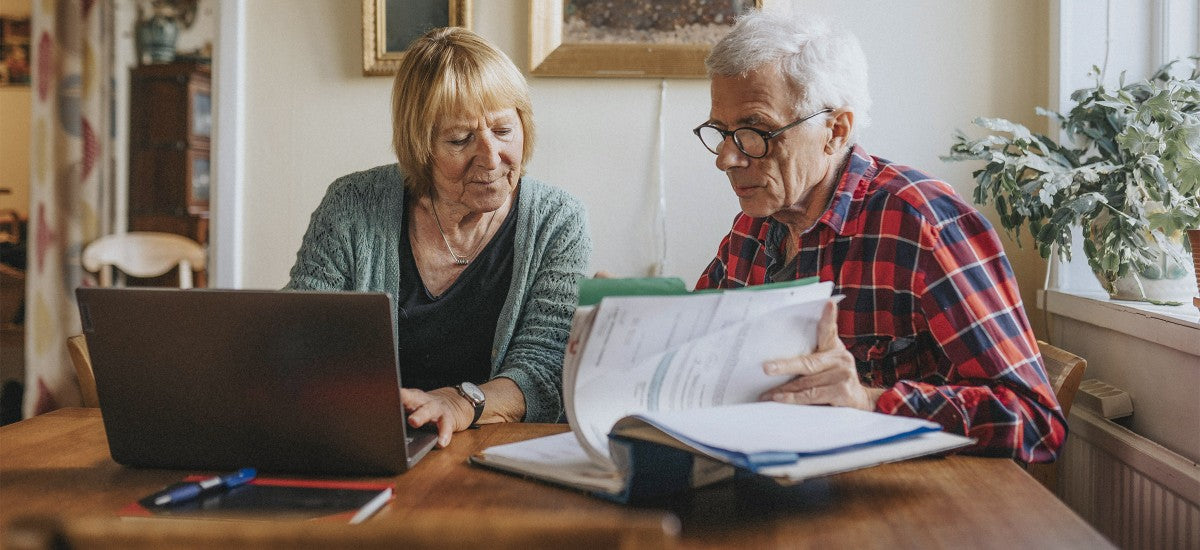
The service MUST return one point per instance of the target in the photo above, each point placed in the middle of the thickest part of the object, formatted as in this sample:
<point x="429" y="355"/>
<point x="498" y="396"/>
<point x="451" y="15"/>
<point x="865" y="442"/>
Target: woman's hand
<point x="448" y="410"/>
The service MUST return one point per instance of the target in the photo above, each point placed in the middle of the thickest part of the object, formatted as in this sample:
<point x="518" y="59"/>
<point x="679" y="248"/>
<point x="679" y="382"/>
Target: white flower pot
<point x="1170" y="280"/>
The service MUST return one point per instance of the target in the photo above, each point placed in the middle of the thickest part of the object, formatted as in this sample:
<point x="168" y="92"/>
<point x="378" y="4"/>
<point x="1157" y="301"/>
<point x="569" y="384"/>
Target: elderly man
<point x="932" y="324"/>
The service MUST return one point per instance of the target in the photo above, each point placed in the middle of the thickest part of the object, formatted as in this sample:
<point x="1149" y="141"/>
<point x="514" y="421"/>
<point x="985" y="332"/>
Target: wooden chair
<point x="490" y="528"/>
<point x="137" y="253"/>
<point x="144" y="254"/>
<point x="77" y="345"/>
<point x="1065" y="371"/>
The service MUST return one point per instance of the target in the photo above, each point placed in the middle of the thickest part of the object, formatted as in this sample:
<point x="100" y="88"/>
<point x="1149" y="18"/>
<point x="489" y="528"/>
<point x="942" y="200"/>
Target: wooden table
<point x="58" y="465"/>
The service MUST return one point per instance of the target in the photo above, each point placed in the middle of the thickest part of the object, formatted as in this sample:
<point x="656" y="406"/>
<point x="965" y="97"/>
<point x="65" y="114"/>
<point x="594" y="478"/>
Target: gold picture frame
<point x="550" y="55"/>
<point x="382" y="59"/>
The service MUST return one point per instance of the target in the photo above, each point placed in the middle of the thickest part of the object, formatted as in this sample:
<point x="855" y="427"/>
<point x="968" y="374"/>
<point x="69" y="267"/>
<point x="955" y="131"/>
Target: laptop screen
<point x="284" y="381"/>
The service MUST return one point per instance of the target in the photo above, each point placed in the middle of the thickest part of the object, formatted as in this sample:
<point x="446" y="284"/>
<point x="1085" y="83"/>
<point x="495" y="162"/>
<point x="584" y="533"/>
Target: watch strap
<point x="478" y="404"/>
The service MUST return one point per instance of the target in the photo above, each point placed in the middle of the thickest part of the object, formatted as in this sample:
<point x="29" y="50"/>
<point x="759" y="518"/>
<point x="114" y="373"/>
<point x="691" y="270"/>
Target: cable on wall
<point x="1164" y="31"/>
<point x="660" y="210"/>
<point x="1107" y="37"/>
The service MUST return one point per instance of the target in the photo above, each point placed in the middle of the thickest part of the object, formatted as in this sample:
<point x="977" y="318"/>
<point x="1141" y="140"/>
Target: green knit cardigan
<point x="353" y="243"/>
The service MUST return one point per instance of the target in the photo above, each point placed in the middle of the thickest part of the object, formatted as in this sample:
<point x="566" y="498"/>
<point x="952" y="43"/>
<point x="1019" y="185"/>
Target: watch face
<point x="472" y="392"/>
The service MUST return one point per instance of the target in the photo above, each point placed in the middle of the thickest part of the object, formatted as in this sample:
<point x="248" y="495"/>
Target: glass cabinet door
<point x="200" y="186"/>
<point x="202" y="114"/>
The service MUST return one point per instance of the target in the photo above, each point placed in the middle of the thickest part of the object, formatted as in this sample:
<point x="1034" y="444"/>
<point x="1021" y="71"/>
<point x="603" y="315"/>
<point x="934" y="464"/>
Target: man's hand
<point x="825" y="377"/>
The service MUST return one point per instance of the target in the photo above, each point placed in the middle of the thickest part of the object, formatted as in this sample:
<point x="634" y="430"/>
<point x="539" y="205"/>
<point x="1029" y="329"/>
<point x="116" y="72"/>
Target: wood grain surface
<point x="55" y="469"/>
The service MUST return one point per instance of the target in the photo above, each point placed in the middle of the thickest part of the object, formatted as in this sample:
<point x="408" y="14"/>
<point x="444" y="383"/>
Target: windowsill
<point x="1177" y="327"/>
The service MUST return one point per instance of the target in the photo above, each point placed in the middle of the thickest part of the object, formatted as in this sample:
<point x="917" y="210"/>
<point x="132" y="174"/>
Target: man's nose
<point x="729" y="156"/>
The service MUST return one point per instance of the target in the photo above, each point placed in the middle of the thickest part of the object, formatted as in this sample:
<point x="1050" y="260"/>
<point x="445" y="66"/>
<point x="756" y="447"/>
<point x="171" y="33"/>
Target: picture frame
<point x="389" y="25"/>
<point x="15" y="52"/>
<point x="559" y="47"/>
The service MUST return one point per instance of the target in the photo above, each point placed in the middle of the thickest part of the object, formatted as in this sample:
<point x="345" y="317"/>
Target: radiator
<point x="1134" y="491"/>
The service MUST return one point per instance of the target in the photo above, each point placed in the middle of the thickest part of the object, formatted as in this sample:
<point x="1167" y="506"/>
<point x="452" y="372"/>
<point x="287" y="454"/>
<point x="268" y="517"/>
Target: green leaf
<point x="1001" y="125"/>
<point x="1129" y="162"/>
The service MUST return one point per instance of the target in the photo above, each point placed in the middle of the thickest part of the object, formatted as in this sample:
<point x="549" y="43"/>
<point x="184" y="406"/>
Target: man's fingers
<point x="799" y="384"/>
<point x="827" y="334"/>
<point x="814" y="389"/>
<point x="802" y="365"/>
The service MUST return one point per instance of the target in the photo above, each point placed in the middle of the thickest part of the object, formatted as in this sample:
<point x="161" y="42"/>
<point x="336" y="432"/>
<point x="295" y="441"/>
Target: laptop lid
<point x="284" y="381"/>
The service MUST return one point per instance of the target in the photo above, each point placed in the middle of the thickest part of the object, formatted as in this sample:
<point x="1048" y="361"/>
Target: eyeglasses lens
<point x="747" y="141"/>
<point x="750" y="142"/>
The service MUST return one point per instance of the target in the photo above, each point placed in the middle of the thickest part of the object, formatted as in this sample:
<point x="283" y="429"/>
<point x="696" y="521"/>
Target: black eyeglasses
<point x="752" y="142"/>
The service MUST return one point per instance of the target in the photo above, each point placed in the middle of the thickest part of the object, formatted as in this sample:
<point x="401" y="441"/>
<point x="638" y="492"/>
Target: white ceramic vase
<point x="1170" y="280"/>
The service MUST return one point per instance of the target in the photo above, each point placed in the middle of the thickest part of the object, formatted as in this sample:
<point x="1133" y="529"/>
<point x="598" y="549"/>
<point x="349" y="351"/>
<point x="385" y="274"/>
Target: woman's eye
<point x="502" y="131"/>
<point x="461" y="141"/>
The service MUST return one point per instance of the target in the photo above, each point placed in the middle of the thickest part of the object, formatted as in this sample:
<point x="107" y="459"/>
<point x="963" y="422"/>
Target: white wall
<point x="311" y="117"/>
<point x="15" y="105"/>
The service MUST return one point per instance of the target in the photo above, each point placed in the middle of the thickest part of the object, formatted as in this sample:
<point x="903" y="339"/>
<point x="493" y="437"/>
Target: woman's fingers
<point x="423" y="408"/>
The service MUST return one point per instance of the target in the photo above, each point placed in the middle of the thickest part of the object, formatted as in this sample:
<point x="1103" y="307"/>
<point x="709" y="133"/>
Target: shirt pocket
<point x="880" y="358"/>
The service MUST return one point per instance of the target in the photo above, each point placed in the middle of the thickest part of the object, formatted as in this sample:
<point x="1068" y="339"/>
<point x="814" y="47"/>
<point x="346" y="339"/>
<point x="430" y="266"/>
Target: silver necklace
<point x="460" y="260"/>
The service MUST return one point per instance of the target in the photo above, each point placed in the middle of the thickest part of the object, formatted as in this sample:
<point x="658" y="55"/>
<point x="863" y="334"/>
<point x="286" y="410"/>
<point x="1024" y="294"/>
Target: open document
<point x="660" y="394"/>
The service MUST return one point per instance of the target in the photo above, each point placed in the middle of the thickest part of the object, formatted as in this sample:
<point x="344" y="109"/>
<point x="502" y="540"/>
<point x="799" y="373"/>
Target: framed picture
<point x="627" y="38"/>
<point x="390" y="25"/>
<point x="14" y="52"/>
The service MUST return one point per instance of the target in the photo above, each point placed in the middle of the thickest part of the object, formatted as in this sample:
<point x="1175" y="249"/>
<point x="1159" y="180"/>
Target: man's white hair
<point x="826" y="66"/>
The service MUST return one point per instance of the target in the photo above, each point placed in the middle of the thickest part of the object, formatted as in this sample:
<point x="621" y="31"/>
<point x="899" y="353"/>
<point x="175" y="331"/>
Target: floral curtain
<point x="70" y="184"/>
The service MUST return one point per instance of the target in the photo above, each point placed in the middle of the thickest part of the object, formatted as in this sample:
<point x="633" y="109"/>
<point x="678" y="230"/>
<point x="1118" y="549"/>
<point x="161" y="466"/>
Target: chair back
<point x="144" y="254"/>
<point x="77" y="345"/>
<point x="1065" y="371"/>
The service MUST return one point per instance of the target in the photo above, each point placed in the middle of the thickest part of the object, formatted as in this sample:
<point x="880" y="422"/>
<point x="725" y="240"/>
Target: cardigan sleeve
<point x="535" y="354"/>
<point x="325" y="258"/>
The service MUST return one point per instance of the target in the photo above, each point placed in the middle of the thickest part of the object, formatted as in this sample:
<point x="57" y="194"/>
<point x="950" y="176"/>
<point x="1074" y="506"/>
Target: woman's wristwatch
<point x="475" y="396"/>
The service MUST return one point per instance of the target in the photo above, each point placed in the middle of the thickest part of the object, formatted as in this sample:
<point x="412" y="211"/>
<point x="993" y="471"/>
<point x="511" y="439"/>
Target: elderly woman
<point x="482" y="262"/>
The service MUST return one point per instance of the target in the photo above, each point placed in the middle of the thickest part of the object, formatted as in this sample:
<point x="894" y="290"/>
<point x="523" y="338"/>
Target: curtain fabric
<point x="70" y="184"/>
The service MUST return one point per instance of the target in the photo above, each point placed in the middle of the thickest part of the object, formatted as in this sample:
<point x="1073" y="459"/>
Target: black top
<point x="447" y="339"/>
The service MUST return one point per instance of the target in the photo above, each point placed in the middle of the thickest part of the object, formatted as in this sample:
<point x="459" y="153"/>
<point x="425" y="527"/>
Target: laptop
<point x="283" y="381"/>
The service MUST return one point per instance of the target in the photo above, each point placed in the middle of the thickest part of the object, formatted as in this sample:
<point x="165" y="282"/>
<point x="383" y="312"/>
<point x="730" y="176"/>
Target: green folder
<point x="591" y="291"/>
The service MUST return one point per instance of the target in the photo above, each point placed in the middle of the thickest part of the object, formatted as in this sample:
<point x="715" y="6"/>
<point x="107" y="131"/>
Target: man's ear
<point x="840" y="124"/>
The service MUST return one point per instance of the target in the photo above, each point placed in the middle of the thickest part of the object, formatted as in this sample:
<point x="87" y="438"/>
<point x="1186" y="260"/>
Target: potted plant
<point x="1127" y="173"/>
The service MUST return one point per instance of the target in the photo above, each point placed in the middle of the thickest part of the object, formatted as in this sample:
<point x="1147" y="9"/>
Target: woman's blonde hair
<point x="451" y="71"/>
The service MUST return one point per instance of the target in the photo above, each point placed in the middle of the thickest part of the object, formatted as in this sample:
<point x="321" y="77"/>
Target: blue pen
<point x="190" y="490"/>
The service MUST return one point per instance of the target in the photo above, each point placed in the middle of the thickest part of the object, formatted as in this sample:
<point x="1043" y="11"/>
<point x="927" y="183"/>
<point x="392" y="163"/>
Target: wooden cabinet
<point x="170" y="164"/>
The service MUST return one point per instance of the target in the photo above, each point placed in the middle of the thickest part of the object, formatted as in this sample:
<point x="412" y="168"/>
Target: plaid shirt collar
<point x="852" y="186"/>
<point x="844" y="207"/>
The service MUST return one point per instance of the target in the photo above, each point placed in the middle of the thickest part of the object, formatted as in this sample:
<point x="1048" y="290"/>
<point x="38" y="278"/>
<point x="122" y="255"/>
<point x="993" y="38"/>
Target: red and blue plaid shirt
<point x="932" y="311"/>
